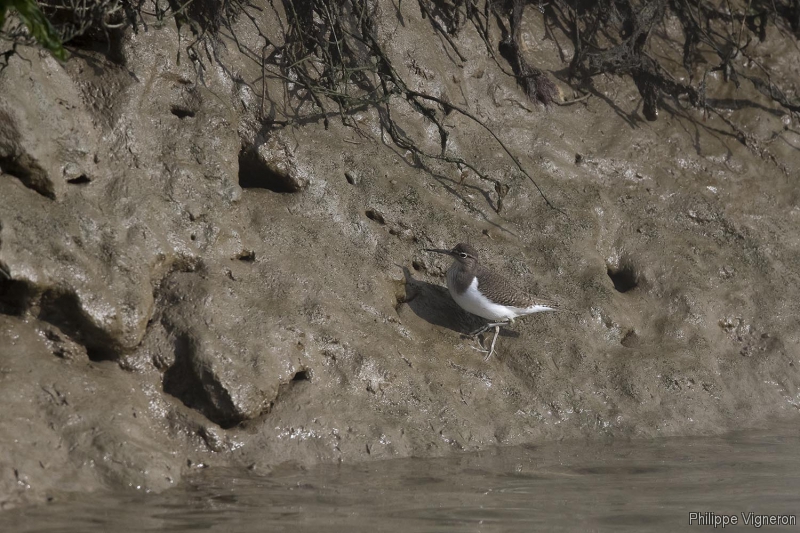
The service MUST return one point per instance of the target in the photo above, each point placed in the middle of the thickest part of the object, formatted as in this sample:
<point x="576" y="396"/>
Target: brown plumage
<point x="491" y="284"/>
<point x="482" y="292"/>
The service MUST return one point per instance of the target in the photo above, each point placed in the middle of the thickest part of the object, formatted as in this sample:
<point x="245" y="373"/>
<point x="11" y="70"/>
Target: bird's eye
<point x="463" y="255"/>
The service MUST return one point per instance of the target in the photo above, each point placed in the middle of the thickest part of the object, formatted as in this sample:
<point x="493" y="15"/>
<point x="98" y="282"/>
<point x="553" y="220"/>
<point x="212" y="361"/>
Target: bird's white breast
<point x="473" y="301"/>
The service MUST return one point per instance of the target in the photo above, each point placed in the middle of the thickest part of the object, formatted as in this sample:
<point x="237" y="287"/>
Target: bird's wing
<point x="502" y="291"/>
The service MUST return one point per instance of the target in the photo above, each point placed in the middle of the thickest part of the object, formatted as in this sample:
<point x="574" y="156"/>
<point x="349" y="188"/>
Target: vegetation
<point x="37" y="25"/>
<point x="331" y="57"/>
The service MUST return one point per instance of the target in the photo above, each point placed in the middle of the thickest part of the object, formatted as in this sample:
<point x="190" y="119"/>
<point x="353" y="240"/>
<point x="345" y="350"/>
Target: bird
<point x="484" y="292"/>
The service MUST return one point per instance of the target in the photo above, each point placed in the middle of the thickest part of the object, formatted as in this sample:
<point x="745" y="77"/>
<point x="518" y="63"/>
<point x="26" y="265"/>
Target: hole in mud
<point x="248" y="256"/>
<point x="630" y="340"/>
<point x="29" y="172"/>
<point x="255" y="174"/>
<point x="108" y="42"/>
<point x="63" y="310"/>
<point x="624" y="278"/>
<point x="198" y="388"/>
<point x="178" y="380"/>
<point x="302" y="375"/>
<point x="14" y="296"/>
<point x="83" y="179"/>
<point x="375" y="215"/>
<point x="182" y="112"/>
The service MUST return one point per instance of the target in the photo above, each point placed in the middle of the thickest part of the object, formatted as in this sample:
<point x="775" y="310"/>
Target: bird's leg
<point x="479" y="331"/>
<point x="489" y="326"/>
<point x="491" y="350"/>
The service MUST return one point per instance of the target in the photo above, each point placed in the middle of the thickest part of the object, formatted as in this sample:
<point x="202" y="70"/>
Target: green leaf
<point x="38" y="25"/>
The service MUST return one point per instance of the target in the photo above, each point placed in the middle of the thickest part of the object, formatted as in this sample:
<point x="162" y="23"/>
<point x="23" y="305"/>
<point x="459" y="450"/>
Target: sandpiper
<point x="487" y="294"/>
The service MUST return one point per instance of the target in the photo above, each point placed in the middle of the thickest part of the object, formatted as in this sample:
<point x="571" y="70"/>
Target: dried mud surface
<point x="182" y="290"/>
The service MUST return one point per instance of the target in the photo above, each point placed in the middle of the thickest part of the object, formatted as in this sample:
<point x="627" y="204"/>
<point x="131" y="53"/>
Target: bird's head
<point x="463" y="253"/>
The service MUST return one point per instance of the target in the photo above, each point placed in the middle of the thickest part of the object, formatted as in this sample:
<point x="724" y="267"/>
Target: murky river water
<point x="614" y="486"/>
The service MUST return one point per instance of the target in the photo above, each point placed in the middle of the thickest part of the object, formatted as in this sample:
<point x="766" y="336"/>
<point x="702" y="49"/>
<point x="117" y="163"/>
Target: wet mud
<point x="179" y="289"/>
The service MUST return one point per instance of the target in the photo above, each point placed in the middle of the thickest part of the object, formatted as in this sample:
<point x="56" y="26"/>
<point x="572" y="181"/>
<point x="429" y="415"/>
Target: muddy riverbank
<point x="185" y="286"/>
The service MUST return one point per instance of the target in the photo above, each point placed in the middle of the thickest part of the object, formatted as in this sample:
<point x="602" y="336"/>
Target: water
<point x="613" y="486"/>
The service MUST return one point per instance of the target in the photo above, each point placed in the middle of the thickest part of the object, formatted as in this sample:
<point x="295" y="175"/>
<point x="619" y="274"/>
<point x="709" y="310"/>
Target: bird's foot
<point x="494" y="340"/>
<point x="480" y="349"/>
<point x="490" y="325"/>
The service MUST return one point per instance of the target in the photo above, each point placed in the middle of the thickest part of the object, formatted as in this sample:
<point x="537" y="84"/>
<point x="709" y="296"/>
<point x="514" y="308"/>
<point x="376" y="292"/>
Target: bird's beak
<point x="439" y="251"/>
